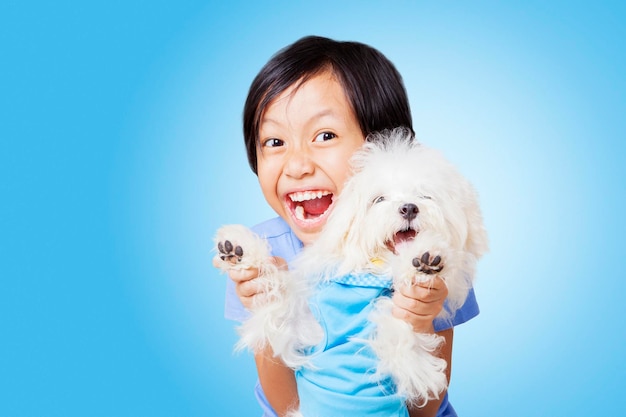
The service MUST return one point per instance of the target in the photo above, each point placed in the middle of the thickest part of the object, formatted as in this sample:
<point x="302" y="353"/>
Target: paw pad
<point x="229" y="252"/>
<point x="428" y="264"/>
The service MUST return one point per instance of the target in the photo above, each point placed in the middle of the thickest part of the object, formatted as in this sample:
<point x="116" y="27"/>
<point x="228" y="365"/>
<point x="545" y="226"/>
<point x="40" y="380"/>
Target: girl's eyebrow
<point x="316" y="116"/>
<point x="323" y="113"/>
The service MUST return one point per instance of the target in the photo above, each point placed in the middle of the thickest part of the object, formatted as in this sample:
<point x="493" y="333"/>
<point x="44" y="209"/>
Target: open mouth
<point x="310" y="205"/>
<point x="401" y="237"/>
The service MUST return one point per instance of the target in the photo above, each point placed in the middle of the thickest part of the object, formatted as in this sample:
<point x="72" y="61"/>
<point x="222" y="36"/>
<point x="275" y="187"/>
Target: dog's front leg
<point x="279" y="317"/>
<point x="411" y="358"/>
<point x="238" y="247"/>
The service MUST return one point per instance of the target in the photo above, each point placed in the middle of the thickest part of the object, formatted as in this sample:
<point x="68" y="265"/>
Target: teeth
<point x="299" y="211"/>
<point x="307" y="195"/>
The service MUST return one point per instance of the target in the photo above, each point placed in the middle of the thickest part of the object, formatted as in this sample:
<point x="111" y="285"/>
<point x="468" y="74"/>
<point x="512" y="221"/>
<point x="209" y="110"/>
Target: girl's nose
<point x="299" y="164"/>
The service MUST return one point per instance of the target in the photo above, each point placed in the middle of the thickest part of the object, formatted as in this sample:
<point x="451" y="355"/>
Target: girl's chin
<point x="307" y="230"/>
<point x="306" y="237"/>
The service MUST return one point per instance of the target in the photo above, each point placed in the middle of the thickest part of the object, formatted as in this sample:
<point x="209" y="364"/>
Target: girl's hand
<point x="420" y="303"/>
<point x="247" y="286"/>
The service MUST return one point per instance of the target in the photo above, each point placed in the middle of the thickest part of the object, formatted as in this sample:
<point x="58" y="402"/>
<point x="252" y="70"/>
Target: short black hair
<point x="372" y="84"/>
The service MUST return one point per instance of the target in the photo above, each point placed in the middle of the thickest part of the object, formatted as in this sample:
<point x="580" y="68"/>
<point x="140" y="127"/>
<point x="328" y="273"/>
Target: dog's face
<point x="405" y="193"/>
<point x="395" y="214"/>
<point x="399" y="190"/>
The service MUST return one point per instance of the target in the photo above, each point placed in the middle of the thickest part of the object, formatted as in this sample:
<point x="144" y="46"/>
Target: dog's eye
<point x="427" y="197"/>
<point x="378" y="199"/>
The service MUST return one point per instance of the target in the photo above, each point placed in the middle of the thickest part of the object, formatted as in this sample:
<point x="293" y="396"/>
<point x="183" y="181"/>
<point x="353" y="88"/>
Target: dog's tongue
<point x="403" y="236"/>
<point x="317" y="206"/>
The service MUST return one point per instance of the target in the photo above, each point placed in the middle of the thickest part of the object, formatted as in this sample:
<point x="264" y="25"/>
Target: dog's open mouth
<point x="309" y="205"/>
<point x="401" y="237"/>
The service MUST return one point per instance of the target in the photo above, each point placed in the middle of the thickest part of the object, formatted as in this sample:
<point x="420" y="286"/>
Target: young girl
<point x="310" y="107"/>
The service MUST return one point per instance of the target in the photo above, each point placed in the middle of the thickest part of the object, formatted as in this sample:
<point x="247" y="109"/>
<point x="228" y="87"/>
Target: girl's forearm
<point x="278" y="382"/>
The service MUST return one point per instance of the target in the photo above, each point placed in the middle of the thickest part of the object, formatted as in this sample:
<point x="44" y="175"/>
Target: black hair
<point x="372" y="85"/>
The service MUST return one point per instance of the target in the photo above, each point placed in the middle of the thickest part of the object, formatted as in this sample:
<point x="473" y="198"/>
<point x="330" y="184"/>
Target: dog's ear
<point x="353" y="211"/>
<point x="341" y="239"/>
<point x="477" y="242"/>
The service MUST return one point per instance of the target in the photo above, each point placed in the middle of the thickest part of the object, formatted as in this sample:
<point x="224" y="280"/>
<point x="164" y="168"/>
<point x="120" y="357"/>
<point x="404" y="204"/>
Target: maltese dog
<point x="406" y="215"/>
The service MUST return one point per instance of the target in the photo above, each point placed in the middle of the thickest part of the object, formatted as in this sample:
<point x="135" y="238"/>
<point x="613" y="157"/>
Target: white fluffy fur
<point x="280" y="319"/>
<point x="390" y="171"/>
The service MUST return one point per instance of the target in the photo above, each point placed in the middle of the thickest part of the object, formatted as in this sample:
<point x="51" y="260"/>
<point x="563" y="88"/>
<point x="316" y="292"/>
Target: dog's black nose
<point x="409" y="211"/>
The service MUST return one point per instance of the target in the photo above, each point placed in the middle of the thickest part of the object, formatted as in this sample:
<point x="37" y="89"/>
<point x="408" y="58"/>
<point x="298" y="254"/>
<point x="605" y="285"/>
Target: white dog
<point x="405" y="215"/>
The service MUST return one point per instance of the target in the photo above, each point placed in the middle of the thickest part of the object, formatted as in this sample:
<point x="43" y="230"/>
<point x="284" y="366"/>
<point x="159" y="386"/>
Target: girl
<point x="310" y="107"/>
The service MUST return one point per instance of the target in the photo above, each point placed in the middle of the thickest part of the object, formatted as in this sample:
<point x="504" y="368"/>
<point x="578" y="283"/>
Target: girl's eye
<point x="324" y="136"/>
<point x="273" y="143"/>
<point x="379" y="199"/>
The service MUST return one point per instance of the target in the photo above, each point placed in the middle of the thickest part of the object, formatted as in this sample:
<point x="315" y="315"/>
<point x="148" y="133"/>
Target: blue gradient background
<point x="121" y="153"/>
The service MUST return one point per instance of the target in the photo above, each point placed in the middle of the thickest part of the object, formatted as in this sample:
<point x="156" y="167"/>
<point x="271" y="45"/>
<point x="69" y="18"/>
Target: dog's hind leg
<point x="408" y="357"/>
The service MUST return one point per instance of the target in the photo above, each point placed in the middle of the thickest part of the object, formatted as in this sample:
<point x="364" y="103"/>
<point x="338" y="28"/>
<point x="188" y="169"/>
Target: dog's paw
<point x="428" y="264"/>
<point x="229" y="252"/>
<point x="239" y="247"/>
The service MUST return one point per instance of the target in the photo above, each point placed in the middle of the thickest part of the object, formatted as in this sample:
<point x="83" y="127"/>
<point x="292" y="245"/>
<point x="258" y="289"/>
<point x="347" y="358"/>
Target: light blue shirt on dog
<point x="341" y="381"/>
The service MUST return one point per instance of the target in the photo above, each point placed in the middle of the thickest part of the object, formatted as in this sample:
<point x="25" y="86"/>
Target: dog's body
<point x="406" y="215"/>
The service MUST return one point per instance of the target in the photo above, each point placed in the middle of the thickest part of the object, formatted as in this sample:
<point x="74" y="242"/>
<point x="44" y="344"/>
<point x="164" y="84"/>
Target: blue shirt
<point x="344" y="363"/>
<point x="286" y="245"/>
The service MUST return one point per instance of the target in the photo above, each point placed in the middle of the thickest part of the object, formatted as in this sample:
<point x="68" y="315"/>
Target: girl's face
<point x="306" y="138"/>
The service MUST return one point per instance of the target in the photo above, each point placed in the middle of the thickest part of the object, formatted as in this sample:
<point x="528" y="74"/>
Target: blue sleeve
<point x="468" y="311"/>
<point x="233" y="309"/>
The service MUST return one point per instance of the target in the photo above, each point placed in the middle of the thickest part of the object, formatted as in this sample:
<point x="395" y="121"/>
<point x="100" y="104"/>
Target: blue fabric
<point x="286" y="245"/>
<point x="344" y="363"/>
